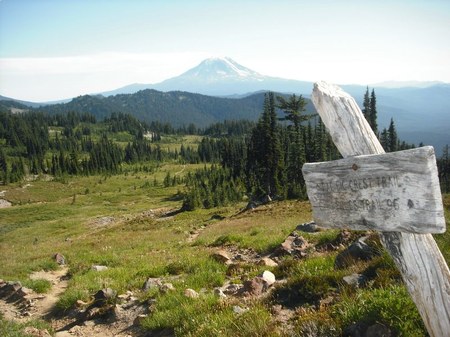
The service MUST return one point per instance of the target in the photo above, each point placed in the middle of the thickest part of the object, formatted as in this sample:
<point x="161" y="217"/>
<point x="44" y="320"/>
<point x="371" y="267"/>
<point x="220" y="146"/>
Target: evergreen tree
<point x="444" y="170"/>
<point x="4" y="174"/>
<point x="392" y="137"/>
<point x="384" y="140"/>
<point x="370" y="109"/>
<point x="265" y="159"/>
<point x="366" y="105"/>
<point x="373" y="112"/>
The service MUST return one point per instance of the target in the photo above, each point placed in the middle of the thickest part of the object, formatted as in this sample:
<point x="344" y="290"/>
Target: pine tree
<point x="444" y="170"/>
<point x="392" y="137"/>
<point x="4" y="174"/>
<point x="373" y="112"/>
<point x="366" y="105"/>
<point x="301" y="148"/>
<point x="265" y="158"/>
<point x="384" y="140"/>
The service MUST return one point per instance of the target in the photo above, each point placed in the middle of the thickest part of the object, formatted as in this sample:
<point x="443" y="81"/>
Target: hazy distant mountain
<point x="407" y="84"/>
<point x="420" y="114"/>
<point x="25" y="103"/>
<point x="220" y="77"/>
<point x="32" y="104"/>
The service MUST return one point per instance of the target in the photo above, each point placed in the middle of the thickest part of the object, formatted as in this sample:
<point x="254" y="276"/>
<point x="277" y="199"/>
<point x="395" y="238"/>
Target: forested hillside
<point x="176" y="107"/>
<point x="261" y="160"/>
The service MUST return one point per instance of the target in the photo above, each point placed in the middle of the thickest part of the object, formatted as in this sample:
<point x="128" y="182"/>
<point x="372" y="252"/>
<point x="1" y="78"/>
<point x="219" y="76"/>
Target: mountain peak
<point x="217" y="69"/>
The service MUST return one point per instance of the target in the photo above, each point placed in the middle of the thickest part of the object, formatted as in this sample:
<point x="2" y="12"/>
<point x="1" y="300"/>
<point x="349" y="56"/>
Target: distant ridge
<point x="175" y="107"/>
<point x="421" y="110"/>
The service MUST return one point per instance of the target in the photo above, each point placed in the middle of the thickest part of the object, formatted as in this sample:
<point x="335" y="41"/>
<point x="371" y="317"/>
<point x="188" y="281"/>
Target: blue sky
<point x="54" y="49"/>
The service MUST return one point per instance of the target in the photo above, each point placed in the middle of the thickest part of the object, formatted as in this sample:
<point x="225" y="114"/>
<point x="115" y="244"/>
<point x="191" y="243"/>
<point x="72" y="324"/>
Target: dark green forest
<point x="261" y="160"/>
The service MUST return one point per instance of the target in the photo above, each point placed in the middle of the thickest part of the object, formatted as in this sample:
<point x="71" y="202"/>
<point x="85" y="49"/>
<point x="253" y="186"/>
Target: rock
<point x="378" y="330"/>
<point x="59" y="258"/>
<point x="80" y="304"/>
<point x="362" y="329"/>
<point x="309" y="227"/>
<point x="5" y="203"/>
<point x="344" y="237"/>
<point x="293" y="245"/>
<point x="34" y="332"/>
<point x="152" y="283"/>
<point x="323" y="303"/>
<point x="355" y="280"/>
<point x="99" y="268"/>
<point x="89" y="323"/>
<point x="166" y="287"/>
<point x="269" y="277"/>
<point x="239" y="310"/>
<point x="219" y="292"/>
<point x="63" y="334"/>
<point x="139" y="318"/>
<point x="251" y="206"/>
<point x="104" y="296"/>
<point x="268" y="262"/>
<point x="221" y="256"/>
<point x="94" y="312"/>
<point x="191" y="293"/>
<point x="232" y="289"/>
<point x="9" y="289"/>
<point x="267" y="199"/>
<point x="358" y="250"/>
<point x="357" y="329"/>
<point x="240" y="257"/>
<point x="23" y="292"/>
<point x="254" y="287"/>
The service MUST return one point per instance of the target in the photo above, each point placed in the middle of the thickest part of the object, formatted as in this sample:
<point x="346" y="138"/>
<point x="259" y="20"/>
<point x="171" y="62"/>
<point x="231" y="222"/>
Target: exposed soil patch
<point x="58" y="278"/>
<point x="24" y="305"/>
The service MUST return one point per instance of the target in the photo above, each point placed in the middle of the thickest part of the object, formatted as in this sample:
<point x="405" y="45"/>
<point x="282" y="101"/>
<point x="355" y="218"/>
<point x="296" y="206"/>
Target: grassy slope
<point x="135" y="243"/>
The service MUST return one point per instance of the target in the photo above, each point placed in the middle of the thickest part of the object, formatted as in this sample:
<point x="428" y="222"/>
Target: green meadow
<point x="131" y="223"/>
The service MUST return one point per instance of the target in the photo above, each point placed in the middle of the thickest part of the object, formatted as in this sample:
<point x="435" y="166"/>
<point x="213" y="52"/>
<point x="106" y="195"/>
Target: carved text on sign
<point x="382" y="192"/>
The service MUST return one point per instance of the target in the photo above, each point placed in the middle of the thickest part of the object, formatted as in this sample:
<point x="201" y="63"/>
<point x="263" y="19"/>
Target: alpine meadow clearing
<point x="133" y="224"/>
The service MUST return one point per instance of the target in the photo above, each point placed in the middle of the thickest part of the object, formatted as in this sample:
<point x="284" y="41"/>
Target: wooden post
<point x="417" y="256"/>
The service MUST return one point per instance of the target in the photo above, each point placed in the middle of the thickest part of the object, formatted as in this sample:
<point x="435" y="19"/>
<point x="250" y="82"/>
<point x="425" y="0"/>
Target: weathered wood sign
<point x="417" y="256"/>
<point x="387" y="192"/>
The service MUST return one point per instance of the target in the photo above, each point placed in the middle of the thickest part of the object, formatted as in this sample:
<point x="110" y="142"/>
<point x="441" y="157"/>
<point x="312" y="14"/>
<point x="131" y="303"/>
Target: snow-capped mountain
<point x="218" y="69"/>
<point x="220" y="76"/>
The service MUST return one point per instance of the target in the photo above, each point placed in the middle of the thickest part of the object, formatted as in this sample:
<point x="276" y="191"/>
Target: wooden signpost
<point x="387" y="192"/>
<point x="396" y="193"/>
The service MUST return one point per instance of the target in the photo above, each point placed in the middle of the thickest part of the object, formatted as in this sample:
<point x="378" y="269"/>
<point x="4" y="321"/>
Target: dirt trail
<point x="34" y="305"/>
<point x="41" y="306"/>
<point x="44" y="306"/>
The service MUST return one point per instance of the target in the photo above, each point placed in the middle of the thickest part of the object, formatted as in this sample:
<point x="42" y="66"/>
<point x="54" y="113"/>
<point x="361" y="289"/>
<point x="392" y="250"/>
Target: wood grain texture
<point x="387" y="192"/>
<point x="417" y="256"/>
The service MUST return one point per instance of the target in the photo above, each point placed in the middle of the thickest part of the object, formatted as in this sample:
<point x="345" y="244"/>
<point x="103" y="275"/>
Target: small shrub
<point x="227" y="239"/>
<point x="40" y="285"/>
<point x="13" y="329"/>
<point x="392" y="306"/>
<point x="48" y="265"/>
<point x="317" y="323"/>
<point x="70" y="297"/>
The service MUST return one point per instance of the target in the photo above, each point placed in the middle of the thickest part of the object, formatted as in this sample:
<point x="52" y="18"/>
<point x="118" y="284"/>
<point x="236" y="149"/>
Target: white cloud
<point x="52" y="78"/>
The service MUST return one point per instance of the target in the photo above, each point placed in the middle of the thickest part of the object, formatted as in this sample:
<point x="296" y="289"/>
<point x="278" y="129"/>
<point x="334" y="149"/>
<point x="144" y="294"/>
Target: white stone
<point x="269" y="277"/>
<point x="99" y="268"/>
